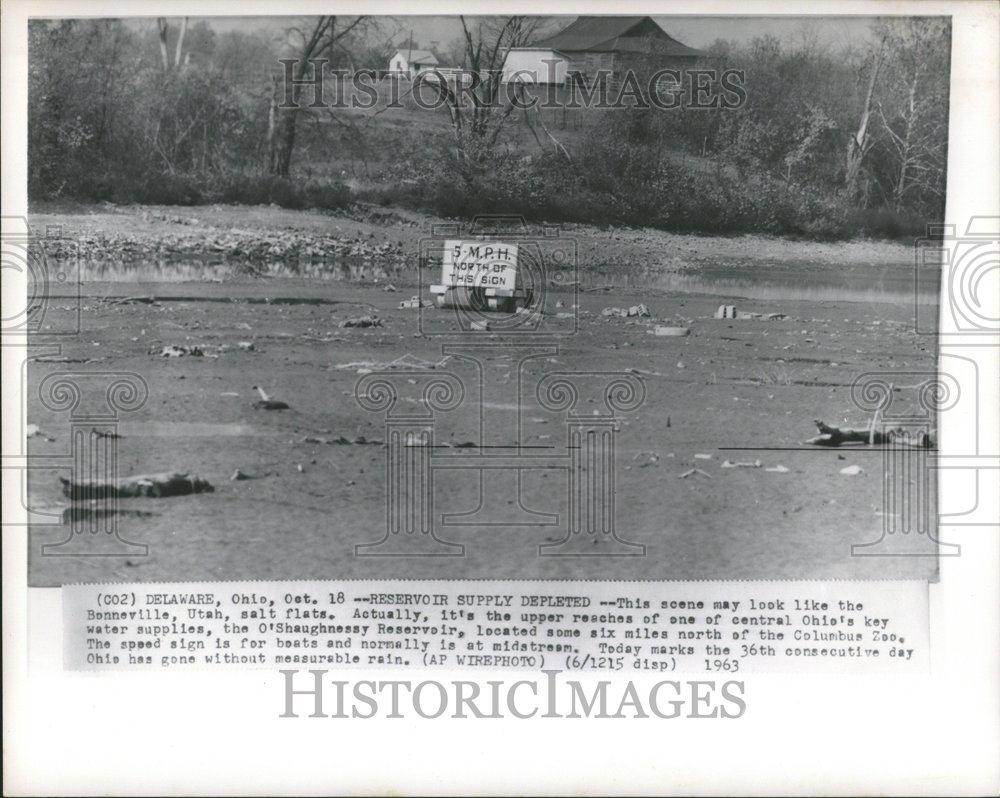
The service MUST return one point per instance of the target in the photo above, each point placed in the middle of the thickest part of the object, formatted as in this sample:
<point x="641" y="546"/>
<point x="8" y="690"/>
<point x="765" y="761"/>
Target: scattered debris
<point x="266" y="402"/>
<point x="703" y="457"/>
<point x="178" y="351"/>
<point x="415" y="302"/>
<point x="835" y="436"/>
<point x="730" y="312"/>
<point x="677" y="332"/>
<point x="851" y="470"/>
<point x="635" y="311"/>
<point x="389" y="288"/>
<point x="33" y="431"/>
<point x="731" y="464"/>
<point x="239" y="476"/>
<point x="60" y="359"/>
<point x="360" y="440"/>
<point x="169" y="483"/>
<point x="480" y="326"/>
<point x="692" y="471"/>
<point x="362" y="321"/>
<point x="778" y="469"/>
<point x="99" y="433"/>
<point x="406" y="361"/>
<point x="247" y="346"/>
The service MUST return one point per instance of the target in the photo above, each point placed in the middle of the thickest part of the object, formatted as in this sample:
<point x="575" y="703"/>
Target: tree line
<point x="830" y="142"/>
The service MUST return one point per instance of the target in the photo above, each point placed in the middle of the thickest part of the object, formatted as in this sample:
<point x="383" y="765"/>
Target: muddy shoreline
<point x="737" y="390"/>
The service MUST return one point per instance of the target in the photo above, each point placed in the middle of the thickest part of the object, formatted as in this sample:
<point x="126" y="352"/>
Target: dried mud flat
<point x="304" y="498"/>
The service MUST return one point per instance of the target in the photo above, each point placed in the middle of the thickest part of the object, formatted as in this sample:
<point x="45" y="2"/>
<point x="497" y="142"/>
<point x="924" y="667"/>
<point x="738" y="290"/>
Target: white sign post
<point x="478" y="264"/>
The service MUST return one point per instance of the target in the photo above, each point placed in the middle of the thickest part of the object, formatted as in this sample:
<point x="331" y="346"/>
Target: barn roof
<point x="615" y="34"/>
<point x="419" y="56"/>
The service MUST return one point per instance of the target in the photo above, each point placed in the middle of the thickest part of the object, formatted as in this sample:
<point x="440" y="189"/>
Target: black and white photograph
<point x="494" y="399"/>
<point x="532" y="297"/>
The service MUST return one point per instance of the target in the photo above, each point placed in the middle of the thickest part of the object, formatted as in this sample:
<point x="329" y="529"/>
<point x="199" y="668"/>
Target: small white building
<point x="535" y="65"/>
<point x="412" y="62"/>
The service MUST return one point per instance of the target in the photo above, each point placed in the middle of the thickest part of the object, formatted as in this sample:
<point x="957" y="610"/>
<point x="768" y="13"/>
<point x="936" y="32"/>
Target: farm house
<point x="590" y="44"/>
<point x="412" y="62"/>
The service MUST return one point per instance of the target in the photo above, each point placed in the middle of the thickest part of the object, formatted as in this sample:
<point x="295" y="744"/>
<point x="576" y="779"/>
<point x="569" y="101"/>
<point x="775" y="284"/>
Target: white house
<point x="412" y="62"/>
<point x="535" y="65"/>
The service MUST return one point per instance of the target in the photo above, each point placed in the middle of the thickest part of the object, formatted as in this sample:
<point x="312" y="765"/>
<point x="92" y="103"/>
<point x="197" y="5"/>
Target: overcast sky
<point x="694" y="31"/>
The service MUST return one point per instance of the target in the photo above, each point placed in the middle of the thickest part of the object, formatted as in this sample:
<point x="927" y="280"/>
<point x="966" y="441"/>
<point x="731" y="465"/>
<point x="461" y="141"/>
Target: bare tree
<point x="861" y="141"/>
<point x="913" y="112"/>
<point x="163" y="28"/>
<point x="477" y="107"/>
<point x="316" y="42"/>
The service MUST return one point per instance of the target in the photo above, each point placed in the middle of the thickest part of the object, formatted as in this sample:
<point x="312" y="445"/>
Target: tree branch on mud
<point x="870" y="436"/>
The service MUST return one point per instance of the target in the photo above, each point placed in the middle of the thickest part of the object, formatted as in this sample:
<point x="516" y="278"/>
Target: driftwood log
<point x="170" y="483"/>
<point x="870" y="436"/>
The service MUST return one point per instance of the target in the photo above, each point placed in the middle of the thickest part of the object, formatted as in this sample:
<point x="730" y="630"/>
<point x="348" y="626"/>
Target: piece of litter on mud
<point x="636" y="311"/>
<point x="416" y="440"/>
<point x="169" y="483"/>
<point x="778" y="469"/>
<point x="239" y="476"/>
<point x="730" y="312"/>
<point x="415" y="302"/>
<point x="700" y="456"/>
<point x="247" y="346"/>
<point x="132" y="300"/>
<point x="266" y="402"/>
<point x="851" y="470"/>
<point x="100" y="433"/>
<point x="60" y="359"/>
<point x="406" y="361"/>
<point x="389" y="287"/>
<point x="360" y="440"/>
<point x="732" y="464"/>
<point x="669" y="332"/>
<point x="33" y="431"/>
<point x="480" y="326"/>
<point x="240" y="325"/>
<point x="300" y="468"/>
<point x="361" y="321"/>
<point x="178" y="351"/>
<point x="539" y="421"/>
<point x="565" y="315"/>
<point x="229" y="393"/>
<point x="692" y="471"/>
